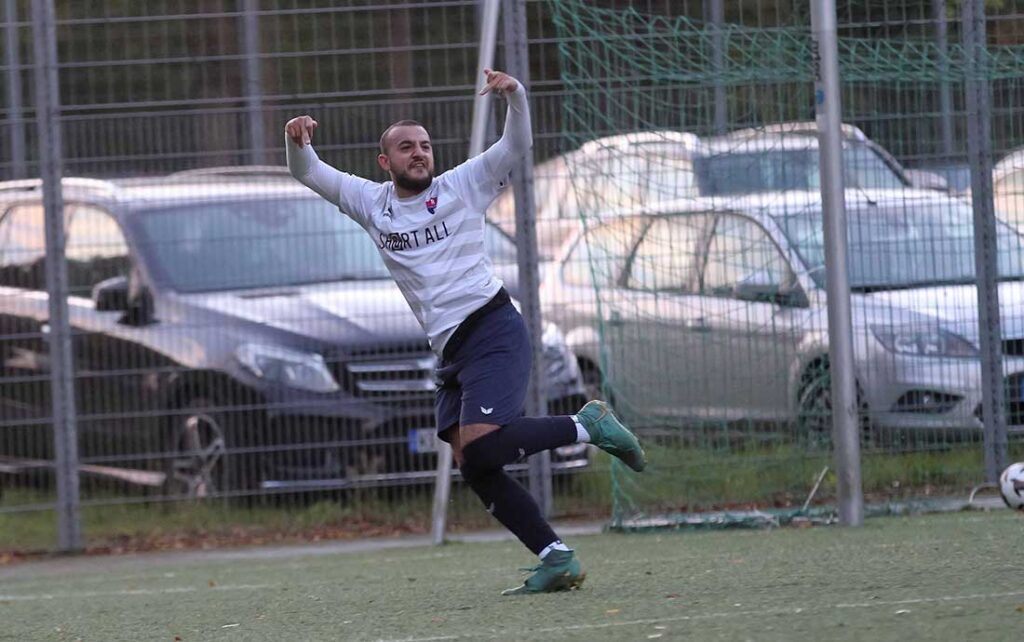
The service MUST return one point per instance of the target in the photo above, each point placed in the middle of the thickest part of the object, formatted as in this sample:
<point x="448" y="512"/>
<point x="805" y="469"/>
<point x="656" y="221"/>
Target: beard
<point x="405" y="181"/>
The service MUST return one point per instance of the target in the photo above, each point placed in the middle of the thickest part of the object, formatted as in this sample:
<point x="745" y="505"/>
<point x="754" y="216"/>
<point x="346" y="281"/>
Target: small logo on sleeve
<point x="486" y="411"/>
<point x="431" y="204"/>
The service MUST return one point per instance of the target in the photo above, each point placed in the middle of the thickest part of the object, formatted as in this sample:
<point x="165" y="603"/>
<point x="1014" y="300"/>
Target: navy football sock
<point x="511" y="505"/>
<point x="518" y="439"/>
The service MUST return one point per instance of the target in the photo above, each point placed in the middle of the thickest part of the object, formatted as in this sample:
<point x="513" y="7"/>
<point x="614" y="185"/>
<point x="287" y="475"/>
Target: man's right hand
<point x="300" y="130"/>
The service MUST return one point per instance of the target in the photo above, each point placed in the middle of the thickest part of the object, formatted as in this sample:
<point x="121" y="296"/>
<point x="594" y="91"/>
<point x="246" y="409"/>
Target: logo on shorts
<point x="486" y="411"/>
<point x="431" y="204"/>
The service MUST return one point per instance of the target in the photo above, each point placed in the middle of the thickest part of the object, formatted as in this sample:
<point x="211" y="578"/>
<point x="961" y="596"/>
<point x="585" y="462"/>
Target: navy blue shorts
<point x="484" y="380"/>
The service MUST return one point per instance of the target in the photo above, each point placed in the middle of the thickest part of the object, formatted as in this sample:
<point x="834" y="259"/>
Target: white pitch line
<point x="728" y="614"/>
<point x="128" y="592"/>
<point x="923" y="600"/>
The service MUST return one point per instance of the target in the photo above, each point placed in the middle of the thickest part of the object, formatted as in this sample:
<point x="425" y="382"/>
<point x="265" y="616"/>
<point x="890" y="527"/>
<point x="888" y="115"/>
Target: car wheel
<point x="814" y="414"/>
<point x="197" y="465"/>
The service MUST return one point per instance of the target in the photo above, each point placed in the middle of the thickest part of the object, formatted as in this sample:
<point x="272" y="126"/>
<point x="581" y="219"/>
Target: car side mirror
<point x="758" y="285"/>
<point x="140" y="306"/>
<point x="761" y="286"/>
<point x="751" y="291"/>
<point x="111" y="295"/>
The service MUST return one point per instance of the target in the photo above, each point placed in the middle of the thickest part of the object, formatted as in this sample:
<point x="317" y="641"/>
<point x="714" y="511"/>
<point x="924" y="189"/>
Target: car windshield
<point x="614" y="179"/>
<point x="256" y="244"/>
<point x="659" y="172"/>
<point x="774" y="170"/>
<point x="262" y="244"/>
<point x="904" y="246"/>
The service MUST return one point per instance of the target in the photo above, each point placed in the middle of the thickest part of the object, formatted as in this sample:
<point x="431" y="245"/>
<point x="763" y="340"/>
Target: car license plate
<point x="423" y="440"/>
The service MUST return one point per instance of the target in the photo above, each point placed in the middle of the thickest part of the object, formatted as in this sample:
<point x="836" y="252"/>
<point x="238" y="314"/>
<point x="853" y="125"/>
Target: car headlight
<point x="302" y="370"/>
<point x="552" y="336"/>
<point x="924" y="342"/>
<point x="560" y="362"/>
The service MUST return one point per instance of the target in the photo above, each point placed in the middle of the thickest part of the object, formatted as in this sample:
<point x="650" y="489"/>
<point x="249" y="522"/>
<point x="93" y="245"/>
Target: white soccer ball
<point x="1011" y="485"/>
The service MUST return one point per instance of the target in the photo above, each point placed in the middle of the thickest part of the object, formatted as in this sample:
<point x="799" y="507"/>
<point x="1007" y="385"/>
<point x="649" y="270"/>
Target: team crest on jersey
<point x="431" y="204"/>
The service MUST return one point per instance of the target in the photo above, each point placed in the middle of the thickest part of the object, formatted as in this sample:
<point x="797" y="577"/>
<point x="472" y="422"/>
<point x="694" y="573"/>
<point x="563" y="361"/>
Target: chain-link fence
<point x="234" y="339"/>
<point x="698" y="191"/>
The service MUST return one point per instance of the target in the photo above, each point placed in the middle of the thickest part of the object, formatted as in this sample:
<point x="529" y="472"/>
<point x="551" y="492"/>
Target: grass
<point x="938" y="577"/>
<point x="690" y="477"/>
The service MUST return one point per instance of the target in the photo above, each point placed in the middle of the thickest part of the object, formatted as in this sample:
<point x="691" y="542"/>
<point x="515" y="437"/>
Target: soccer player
<point x="430" y="232"/>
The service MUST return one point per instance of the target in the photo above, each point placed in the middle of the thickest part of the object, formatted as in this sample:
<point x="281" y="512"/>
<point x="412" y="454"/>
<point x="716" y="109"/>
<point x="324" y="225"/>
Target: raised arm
<point x="482" y="177"/>
<point x="517" y="138"/>
<point x="305" y="165"/>
<point x="339" y="188"/>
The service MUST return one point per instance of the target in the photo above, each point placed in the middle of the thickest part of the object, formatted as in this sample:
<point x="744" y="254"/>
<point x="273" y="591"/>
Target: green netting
<point x="704" y="321"/>
<point x="681" y="49"/>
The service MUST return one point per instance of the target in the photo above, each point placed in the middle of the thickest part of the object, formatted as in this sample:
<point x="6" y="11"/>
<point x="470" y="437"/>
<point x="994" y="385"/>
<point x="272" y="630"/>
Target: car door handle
<point x="697" y="325"/>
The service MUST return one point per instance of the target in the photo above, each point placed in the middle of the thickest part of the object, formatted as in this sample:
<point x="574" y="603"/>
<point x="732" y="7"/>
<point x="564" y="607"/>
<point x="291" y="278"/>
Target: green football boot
<point x="608" y="434"/>
<point x="558" y="571"/>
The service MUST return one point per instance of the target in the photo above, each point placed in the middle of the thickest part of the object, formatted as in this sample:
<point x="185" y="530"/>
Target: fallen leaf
<point x="1020" y="609"/>
<point x="612" y="611"/>
<point x="212" y="583"/>
<point x="902" y="611"/>
<point x="437" y="620"/>
<point x="672" y="596"/>
<point x="230" y="626"/>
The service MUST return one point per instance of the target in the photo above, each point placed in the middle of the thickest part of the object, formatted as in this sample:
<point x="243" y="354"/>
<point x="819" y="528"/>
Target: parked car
<point x="777" y="159"/>
<point x="230" y="330"/>
<point x="719" y="313"/>
<point x="866" y="163"/>
<point x="638" y="169"/>
<point x="621" y="171"/>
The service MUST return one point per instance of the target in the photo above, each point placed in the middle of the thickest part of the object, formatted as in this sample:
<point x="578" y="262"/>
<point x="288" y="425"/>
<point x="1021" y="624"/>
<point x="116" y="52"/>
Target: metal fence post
<point x="715" y="11"/>
<point x="477" y="140"/>
<point x="65" y="439"/>
<point x="845" y="431"/>
<point x="15" y="120"/>
<point x="945" y="88"/>
<point x="979" y="152"/>
<point x="517" y="64"/>
<point x="252" y="81"/>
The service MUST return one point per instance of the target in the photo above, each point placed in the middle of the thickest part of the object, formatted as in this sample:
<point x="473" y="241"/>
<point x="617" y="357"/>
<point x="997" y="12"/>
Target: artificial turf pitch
<point x="940" y="577"/>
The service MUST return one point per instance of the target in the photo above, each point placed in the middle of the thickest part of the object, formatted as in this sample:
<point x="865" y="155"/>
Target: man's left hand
<point x="499" y="82"/>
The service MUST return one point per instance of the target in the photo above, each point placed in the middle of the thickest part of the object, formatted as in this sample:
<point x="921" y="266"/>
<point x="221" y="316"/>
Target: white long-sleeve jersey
<point x="432" y="243"/>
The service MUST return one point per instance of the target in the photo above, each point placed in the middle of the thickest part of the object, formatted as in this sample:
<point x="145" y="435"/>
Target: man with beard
<point x="430" y="233"/>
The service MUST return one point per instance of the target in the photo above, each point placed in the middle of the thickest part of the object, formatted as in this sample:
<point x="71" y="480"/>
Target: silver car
<point x="718" y="313"/>
<point x="639" y="168"/>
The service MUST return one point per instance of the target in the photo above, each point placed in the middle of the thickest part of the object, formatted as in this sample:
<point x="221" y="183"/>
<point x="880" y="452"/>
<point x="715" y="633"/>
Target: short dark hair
<point x="400" y="123"/>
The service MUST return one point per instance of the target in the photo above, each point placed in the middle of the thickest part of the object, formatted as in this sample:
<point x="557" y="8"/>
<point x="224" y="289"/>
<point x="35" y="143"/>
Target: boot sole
<point x="570" y="584"/>
<point x="565" y="583"/>
<point x="634" y="456"/>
